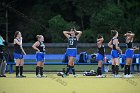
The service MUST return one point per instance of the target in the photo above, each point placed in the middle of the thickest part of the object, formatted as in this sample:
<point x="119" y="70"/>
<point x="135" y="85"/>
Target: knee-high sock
<point x="99" y="71"/>
<point x="37" y="70"/>
<point x="73" y="70"/>
<point x="117" y="69"/>
<point x="21" y="70"/>
<point x="17" y="70"/>
<point x="126" y="70"/>
<point x="68" y="68"/>
<point x="113" y="69"/>
<point x="41" y="71"/>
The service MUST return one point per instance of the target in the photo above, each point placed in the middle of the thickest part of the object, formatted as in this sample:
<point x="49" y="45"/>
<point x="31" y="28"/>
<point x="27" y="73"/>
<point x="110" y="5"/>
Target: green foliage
<point x="52" y="17"/>
<point x="57" y="25"/>
<point x="110" y="17"/>
<point x="89" y="36"/>
<point x="137" y="29"/>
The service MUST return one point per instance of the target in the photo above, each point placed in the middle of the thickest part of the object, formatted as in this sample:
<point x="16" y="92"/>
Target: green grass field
<point x="80" y="84"/>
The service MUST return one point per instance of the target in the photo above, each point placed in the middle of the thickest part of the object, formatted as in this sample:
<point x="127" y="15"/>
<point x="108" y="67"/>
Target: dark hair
<point x="99" y="36"/>
<point x="129" y="32"/>
<point x="16" y="33"/>
<point x="73" y="29"/>
<point x="114" y="32"/>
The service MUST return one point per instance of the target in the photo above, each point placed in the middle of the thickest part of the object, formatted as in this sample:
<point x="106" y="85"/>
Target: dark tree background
<point x="51" y="17"/>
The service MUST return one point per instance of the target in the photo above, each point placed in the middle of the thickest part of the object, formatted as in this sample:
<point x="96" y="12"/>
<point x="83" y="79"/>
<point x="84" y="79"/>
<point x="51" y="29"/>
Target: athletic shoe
<point x="18" y="76"/>
<point x="43" y="76"/>
<point x="22" y="76"/>
<point x="126" y="76"/>
<point x="130" y="76"/>
<point x="64" y="75"/>
<point x="38" y="76"/>
<point x="101" y="76"/>
<point x="113" y="75"/>
<point x="117" y="76"/>
<point x="75" y="75"/>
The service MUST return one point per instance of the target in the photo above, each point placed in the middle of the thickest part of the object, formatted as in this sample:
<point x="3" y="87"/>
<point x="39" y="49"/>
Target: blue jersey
<point x="72" y="42"/>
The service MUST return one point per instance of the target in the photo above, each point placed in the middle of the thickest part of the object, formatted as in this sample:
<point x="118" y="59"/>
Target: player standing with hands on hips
<point x="39" y="46"/>
<point x="114" y="45"/>
<point x="73" y="37"/>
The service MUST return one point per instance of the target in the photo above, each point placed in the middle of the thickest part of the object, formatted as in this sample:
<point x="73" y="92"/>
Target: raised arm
<point x="66" y="33"/>
<point x="79" y="34"/>
<point x="110" y="44"/>
<point x="18" y="42"/>
<point x="129" y="36"/>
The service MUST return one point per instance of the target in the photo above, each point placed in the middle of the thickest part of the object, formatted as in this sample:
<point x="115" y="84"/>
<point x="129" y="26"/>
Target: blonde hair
<point x="39" y="36"/>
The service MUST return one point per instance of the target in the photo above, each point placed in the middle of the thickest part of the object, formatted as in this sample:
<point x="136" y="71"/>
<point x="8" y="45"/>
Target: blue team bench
<point x="52" y="58"/>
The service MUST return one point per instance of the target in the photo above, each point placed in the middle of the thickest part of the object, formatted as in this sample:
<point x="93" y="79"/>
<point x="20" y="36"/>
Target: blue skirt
<point x="18" y="56"/>
<point x="71" y="52"/>
<point x="40" y="56"/>
<point x="129" y="53"/>
<point x="115" y="53"/>
<point x="99" y="57"/>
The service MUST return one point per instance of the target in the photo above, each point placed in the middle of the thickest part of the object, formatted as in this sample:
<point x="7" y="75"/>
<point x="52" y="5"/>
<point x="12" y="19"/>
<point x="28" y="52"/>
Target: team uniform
<point x="114" y="52"/>
<point x="40" y="55"/>
<point x="129" y="52"/>
<point x="18" y="55"/>
<point x="71" y="52"/>
<point x="72" y="47"/>
<point x="17" y="51"/>
<point x="100" y="57"/>
<point x="100" y="54"/>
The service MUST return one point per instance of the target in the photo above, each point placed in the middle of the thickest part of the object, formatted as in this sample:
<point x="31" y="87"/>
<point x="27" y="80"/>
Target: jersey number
<point x="71" y="42"/>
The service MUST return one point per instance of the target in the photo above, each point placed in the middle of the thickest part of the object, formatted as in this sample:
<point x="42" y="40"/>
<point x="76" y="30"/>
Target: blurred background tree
<point x="52" y="17"/>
